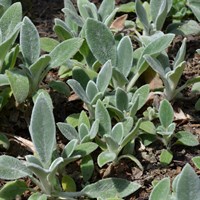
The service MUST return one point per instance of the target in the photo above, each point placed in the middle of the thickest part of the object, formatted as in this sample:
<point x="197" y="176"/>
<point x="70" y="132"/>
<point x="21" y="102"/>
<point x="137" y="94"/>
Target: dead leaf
<point x="22" y="141"/>
<point x="119" y="23"/>
<point x="180" y="117"/>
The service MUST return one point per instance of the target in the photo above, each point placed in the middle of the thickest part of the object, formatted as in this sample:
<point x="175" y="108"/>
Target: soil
<point x="14" y="120"/>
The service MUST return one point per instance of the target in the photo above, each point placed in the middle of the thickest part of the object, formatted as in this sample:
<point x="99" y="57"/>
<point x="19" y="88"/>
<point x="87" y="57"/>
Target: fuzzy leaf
<point x="119" y="78"/>
<point x="19" y="84"/>
<point x="160" y="11"/>
<point x="83" y="132"/>
<point x="142" y="93"/>
<point x="186" y="138"/>
<point x="62" y="30"/>
<point x="127" y="7"/>
<point x="85" y="149"/>
<point x="91" y="90"/>
<point x="10" y="19"/>
<point x="105" y="157"/>
<point x="5" y="47"/>
<point x="68" y="184"/>
<point x="3" y="80"/>
<point x="11" y="168"/>
<point x="106" y="7"/>
<point x="162" y="189"/>
<point x="68" y="131"/>
<point x="142" y="15"/>
<point x="174" y="76"/>
<point x="29" y="41"/>
<point x="117" y="133"/>
<point x="155" y="65"/>
<point x="80" y="74"/>
<point x="38" y="196"/>
<point x="64" y="51"/>
<point x="153" y="48"/>
<point x="104" y="77"/>
<point x="48" y="44"/>
<point x="42" y="129"/>
<point x="121" y="100"/>
<point x="124" y="56"/>
<point x="166" y="157"/>
<point x="196" y="161"/>
<point x="77" y="88"/>
<point x="83" y="119"/>
<point x="101" y="41"/>
<point x="111" y="143"/>
<point x="188" y="184"/>
<point x="74" y="16"/>
<point x="92" y="12"/>
<point x="132" y="134"/>
<point x="156" y="6"/>
<point x="38" y="71"/>
<point x="46" y="95"/>
<point x="13" y="188"/>
<point x="73" y="119"/>
<point x="69" y="19"/>
<point x="82" y="9"/>
<point x="33" y="160"/>
<point x="69" y="148"/>
<point x="103" y="116"/>
<point x="87" y="167"/>
<point x="60" y="87"/>
<point x="148" y="127"/>
<point x="111" y="187"/>
<point x="54" y="168"/>
<point x="166" y="113"/>
<point x="194" y="6"/>
<point x="180" y="55"/>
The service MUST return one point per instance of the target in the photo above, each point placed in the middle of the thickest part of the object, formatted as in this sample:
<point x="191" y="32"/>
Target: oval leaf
<point x="10" y="19"/>
<point x="101" y="41"/>
<point x="166" y="113"/>
<point x="11" y="168"/>
<point x="85" y="149"/>
<point x="68" y="184"/>
<point x="68" y="131"/>
<point x="30" y="41"/>
<point x="104" y="77"/>
<point x="64" y="51"/>
<point x="111" y="187"/>
<point x="105" y="157"/>
<point x="187" y="138"/>
<point x="19" y="84"/>
<point x="42" y="130"/>
<point x="87" y="167"/>
<point x="162" y="189"/>
<point x="103" y="116"/>
<point x="11" y="189"/>
<point x="124" y="56"/>
<point x="188" y="184"/>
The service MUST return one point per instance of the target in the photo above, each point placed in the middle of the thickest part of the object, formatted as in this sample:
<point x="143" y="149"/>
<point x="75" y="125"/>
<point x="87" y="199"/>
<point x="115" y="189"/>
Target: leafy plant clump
<point x="97" y="63"/>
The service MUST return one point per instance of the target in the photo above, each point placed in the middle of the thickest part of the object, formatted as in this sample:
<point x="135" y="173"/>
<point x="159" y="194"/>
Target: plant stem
<point x="132" y="82"/>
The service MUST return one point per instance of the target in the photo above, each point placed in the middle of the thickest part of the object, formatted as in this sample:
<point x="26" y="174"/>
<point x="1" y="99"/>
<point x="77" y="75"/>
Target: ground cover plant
<point x="104" y="102"/>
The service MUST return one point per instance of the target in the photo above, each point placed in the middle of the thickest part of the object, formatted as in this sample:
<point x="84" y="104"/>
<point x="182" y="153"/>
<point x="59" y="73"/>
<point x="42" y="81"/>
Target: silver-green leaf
<point x="30" y="41"/>
<point x="103" y="116"/>
<point x="64" y="51"/>
<point x="11" y="168"/>
<point x="111" y="187"/>
<point x="42" y="130"/>
<point x="101" y="41"/>
<point x="166" y="113"/>
<point x="19" y="84"/>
